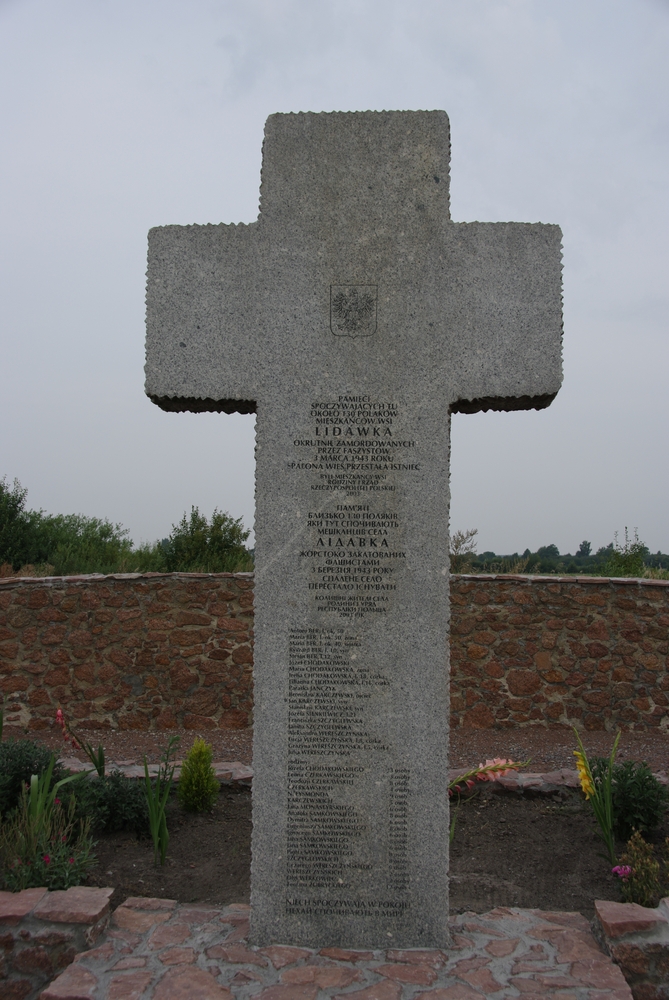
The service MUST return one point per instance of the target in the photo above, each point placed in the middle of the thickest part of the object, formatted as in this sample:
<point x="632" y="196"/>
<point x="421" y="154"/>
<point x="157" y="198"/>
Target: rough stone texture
<point x="504" y="953"/>
<point x="354" y="316"/>
<point x="540" y="628"/>
<point x="580" y="651"/>
<point x="637" y="939"/>
<point x="79" y="905"/>
<point x="14" y="906"/>
<point x="131" y="652"/>
<point x="41" y="932"/>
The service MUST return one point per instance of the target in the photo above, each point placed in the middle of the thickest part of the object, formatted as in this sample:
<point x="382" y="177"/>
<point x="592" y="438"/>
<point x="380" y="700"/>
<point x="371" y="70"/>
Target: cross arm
<point x="202" y="350"/>
<point x="506" y="279"/>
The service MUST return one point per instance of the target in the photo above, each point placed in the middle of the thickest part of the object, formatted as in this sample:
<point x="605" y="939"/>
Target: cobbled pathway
<point x="157" y="950"/>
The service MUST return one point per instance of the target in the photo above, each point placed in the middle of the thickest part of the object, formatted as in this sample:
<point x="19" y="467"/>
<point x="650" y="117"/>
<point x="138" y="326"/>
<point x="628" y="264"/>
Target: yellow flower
<point x="584" y="774"/>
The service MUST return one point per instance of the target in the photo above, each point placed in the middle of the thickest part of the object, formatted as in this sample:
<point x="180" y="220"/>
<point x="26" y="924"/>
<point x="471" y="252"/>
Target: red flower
<point x="71" y="861"/>
<point x="46" y="859"/>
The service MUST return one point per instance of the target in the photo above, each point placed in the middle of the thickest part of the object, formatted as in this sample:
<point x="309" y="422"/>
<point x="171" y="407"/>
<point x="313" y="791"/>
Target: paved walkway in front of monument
<point x="156" y="949"/>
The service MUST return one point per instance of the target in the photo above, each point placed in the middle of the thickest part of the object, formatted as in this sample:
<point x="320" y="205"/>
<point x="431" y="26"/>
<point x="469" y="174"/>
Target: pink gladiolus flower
<point x="493" y="769"/>
<point x="469" y="783"/>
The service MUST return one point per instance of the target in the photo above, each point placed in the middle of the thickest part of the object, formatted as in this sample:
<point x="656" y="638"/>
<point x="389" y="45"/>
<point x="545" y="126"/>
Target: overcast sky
<point x="119" y="115"/>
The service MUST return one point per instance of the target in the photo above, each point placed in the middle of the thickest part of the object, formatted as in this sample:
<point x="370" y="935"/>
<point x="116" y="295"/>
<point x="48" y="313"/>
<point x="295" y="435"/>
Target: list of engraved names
<point x="348" y="791"/>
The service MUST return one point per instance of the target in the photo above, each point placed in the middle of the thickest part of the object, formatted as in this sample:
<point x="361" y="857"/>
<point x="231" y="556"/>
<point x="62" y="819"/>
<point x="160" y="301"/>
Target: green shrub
<point x="198" y="788"/>
<point x="642" y="885"/>
<point x="51" y="849"/>
<point x="112" y="804"/>
<point x="639" y="800"/>
<point x="19" y="759"/>
<point x="626" y="559"/>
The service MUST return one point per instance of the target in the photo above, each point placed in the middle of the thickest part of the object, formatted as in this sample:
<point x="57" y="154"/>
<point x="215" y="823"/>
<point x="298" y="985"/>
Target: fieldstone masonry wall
<point x="165" y="651"/>
<point x="135" y="652"/>
<point x="588" y="652"/>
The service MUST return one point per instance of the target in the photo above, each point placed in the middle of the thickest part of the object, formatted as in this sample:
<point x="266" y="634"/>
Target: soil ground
<point x="509" y="850"/>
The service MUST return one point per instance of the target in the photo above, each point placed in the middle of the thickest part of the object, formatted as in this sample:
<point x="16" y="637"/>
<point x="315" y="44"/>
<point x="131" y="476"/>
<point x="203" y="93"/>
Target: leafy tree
<point x="63" y="544"/>
<point x="17" y="526"/>
<point x="584" y="549"/>
<point x="196" y="545"/>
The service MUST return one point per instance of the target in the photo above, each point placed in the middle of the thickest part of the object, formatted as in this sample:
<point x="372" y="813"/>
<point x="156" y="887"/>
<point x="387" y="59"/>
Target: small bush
<point x="639" y="800"/>
<point x="19" y="759"/>
<point x="626" y="559"/>
<point x="112" y="804"/>
<point x="642" y="885"/>
<point x="52" y="849"/>
<point x="198" y="788"/>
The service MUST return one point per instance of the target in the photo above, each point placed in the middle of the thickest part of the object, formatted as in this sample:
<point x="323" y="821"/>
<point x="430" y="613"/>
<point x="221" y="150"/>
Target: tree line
<point x="34" y="543"/>
<point x="628" y="557"/>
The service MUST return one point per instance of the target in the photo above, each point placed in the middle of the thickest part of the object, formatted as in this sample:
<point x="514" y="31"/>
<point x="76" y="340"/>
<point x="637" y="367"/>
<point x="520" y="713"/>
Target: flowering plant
<point x="51" y="849"/>
<point x="96" y="757"/>
<point x="490" y="771"/>
<point x="622" y="871"/>
<point x="599" y="793"/>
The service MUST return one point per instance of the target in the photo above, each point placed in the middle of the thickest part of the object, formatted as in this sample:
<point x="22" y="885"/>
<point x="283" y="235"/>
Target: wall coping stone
<point x="100" y="577"/>
<point x="637" y="939"/>
<point x="620" y="919"/>
<point x="79" y="905"/>
<point x="549" y="578"/>
<point x="519" y="577"/>
<point x="14" y="906"/>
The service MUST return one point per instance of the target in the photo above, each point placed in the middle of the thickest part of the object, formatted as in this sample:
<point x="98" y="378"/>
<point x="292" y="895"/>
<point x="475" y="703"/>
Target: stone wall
<point x="581" y="651"/>
<point x="155" y="651"/>
<point x="163" y="651"/>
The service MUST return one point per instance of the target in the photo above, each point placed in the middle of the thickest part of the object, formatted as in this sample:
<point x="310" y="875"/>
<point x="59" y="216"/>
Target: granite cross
<point x="353" y="318"/>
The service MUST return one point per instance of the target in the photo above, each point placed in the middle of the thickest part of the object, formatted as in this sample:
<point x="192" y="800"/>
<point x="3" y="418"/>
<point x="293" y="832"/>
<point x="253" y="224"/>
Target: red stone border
<point x="637" y="939"/>
<point x="41" y="932"/>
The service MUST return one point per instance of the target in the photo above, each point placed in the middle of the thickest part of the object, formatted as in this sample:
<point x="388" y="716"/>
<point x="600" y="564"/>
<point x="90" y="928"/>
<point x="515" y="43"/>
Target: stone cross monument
<point x="353" y="318"/>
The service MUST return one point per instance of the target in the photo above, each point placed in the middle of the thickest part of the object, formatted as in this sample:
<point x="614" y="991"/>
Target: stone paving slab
<point x="156" y="949"/>
<point x="227" y="771"/>
<point x="233" y="771"/>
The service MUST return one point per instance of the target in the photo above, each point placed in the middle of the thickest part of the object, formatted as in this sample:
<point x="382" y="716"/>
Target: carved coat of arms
<point x="353" y="310"/>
